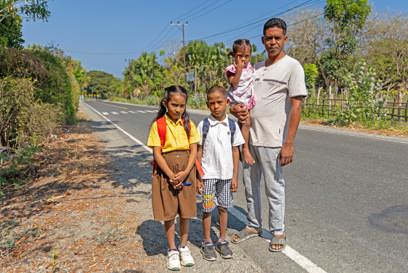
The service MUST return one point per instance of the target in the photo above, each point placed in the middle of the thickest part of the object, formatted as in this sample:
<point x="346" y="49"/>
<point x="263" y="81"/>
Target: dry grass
<point x="70" y="218"/>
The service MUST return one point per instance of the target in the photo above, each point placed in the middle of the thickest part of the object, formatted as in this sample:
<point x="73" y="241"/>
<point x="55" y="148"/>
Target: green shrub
<point x="23" y="120"/>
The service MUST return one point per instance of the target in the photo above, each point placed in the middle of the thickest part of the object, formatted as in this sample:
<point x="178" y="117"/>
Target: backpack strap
<point x="233" y="128"/>
<point x="161" y="129"/>
<point x="206" y="128"/>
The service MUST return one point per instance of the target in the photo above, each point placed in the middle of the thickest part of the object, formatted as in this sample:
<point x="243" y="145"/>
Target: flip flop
<point x="245" y="234"/>
<point x="279" y="241"/>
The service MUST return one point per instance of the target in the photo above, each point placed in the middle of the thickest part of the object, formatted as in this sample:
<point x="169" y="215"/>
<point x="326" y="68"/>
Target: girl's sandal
<point x="277" y="243"/>
<point x="245" y="234"/>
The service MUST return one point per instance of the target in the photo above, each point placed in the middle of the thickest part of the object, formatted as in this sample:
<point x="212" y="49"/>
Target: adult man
<point x="279" y="90"/>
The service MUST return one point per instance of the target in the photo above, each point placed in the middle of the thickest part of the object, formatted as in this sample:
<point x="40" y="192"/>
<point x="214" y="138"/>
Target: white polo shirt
<point x="217" y="153"/>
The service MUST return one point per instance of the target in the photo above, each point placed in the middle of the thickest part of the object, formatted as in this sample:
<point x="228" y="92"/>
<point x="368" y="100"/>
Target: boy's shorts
<point x="217" y="192"/>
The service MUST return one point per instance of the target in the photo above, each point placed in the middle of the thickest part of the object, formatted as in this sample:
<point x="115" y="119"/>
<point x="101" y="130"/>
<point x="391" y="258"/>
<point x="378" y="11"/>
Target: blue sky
<point x="105" y="35"/>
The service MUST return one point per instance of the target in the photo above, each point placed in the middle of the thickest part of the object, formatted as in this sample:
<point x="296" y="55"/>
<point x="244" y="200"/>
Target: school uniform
<point x="167" y="202"/>
<point x="217" y="162"/>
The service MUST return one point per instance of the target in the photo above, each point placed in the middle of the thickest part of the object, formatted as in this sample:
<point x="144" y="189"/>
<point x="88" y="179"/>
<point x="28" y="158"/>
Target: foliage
<point x="10" y="30"/>
<point x="23" y="120"/>
<point x="362" y="96"/>
<point x="33" y="9"/>
<point x="56" y="87"/>
<point x="384" y="45"/>
<point x="347" y="18"/>
<point x="143" y="75"/>
<point x="103" y="84"/>
<point x="311" y="74"/>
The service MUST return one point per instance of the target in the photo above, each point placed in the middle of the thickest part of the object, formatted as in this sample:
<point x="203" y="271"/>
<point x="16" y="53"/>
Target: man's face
<point x="274" y="41"/>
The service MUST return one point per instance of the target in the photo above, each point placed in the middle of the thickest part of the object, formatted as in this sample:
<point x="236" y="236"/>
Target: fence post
<point x="393" y="110"/>
<point x="406" y="111"/>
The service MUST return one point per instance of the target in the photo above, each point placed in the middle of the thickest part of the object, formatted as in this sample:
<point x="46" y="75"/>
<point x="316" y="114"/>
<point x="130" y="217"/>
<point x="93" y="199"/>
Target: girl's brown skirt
<point x="168" y="202"/>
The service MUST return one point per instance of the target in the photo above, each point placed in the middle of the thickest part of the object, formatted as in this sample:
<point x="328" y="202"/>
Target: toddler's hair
<point x="163" y="110"/>
<point x="217" y="88"/>
<point x="239" y="44"/>
<point x="275" y="22"/>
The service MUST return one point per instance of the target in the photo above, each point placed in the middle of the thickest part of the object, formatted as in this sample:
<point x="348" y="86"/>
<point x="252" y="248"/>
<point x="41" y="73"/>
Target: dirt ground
<point x="393" y="132"/>
<point x="71" y="218"/>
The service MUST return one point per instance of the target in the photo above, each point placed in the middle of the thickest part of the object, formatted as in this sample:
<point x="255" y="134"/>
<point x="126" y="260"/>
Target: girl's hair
<point x="239" y="44"/>
<point x="167" y="93"/>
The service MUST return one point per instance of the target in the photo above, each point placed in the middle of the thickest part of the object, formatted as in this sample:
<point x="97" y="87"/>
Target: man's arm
<point x="287" y="151"/>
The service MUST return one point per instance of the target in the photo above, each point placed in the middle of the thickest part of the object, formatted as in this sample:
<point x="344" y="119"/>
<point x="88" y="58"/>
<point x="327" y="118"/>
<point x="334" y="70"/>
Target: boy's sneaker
<point x="208" y="252"/>
<point x="224" y="250"/>
<point x="173" y="262"/>
<point x="185" y="257"/>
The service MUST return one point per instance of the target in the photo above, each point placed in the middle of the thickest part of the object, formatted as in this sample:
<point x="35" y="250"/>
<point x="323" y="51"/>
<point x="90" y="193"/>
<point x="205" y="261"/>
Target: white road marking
<point x="141" y="111"/>
<point x="120" y="129"/>
<point x="291" y="253"/>
<point x="105" y="113"/>
<point x="123" y="112"/>
<point x="115" y="113"/>
<point x="132" y="112"/>
<point x="301" y="260"/>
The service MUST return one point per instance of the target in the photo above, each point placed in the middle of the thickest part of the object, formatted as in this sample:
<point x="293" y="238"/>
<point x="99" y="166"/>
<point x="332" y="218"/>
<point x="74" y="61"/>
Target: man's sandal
<point x="245" y="234"/>
<point x="277" y="243"/>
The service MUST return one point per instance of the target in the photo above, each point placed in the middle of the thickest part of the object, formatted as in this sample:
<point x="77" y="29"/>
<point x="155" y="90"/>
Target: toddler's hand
<point x="199" y="187"/>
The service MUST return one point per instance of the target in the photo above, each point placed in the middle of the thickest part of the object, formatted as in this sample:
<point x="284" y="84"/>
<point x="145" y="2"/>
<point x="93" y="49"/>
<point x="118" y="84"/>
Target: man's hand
<point x="286" y="154"/>
<point x="234" y="185"/>
<point x="240" y="111"/>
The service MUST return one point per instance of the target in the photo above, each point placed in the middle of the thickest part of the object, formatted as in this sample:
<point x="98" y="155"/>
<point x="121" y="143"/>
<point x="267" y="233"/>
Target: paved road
<point x="347" y="198"/>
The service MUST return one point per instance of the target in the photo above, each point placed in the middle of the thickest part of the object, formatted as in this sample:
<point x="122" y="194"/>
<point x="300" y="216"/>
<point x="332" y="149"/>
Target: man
<point x="279" y="89"/>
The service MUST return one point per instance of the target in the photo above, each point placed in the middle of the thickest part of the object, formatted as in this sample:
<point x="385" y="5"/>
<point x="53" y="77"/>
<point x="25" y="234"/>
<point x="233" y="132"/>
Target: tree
<point x="306" y="38"/>
<point x="346" y="18"/>
<point x="384" y="45"/>
<point x="102" y="84"/>
<point x="33" y="9"/>
<point x="10" y="31"/>
<point x="143" y="75"/>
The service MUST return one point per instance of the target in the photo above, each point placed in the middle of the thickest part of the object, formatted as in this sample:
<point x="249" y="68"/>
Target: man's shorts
<point x="216" y="192"/>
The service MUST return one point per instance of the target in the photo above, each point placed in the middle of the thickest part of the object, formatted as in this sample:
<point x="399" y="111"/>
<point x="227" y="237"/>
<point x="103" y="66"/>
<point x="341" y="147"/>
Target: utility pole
<point x="181" y="24"/>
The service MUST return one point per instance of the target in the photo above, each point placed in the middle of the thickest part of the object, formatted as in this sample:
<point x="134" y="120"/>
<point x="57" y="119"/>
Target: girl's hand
<point x="234" y="185"/>
<point x="180" y="176"/>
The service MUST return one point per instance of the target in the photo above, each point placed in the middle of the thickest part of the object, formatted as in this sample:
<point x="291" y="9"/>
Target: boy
<point x="219" y="154"/>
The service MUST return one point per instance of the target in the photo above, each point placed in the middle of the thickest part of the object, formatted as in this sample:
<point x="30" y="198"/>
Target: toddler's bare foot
<point x="248" y="157"/>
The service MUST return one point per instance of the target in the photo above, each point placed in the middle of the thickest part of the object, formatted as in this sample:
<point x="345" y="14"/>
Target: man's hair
<point x="217" y="88"/>
<point x="275" y="22"/>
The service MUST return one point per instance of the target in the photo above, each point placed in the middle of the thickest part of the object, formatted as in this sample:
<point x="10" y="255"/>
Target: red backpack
<point x="161" y="129"/>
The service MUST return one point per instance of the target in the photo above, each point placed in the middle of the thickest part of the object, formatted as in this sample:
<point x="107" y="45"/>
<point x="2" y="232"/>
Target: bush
<point x="23" y="120"/>
<point x="52" y="83"/>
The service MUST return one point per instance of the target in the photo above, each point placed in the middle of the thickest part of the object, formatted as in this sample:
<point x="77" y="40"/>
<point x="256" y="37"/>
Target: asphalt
<point x="346" y="202"/>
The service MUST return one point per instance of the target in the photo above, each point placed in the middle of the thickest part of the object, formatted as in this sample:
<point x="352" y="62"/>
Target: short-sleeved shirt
<point x="274" y="86"/>
<point x="176" y="136"/>
<point x="217" y="160"/>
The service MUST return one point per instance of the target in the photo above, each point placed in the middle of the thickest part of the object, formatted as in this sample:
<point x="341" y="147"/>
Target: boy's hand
<point x="234" y="185"/>
<point x="199" y="187"/>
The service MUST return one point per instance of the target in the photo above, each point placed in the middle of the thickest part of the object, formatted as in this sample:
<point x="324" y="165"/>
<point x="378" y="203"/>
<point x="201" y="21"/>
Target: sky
<point x="106" y="34"/>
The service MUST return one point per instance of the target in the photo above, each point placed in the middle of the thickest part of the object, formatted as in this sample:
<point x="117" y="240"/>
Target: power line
<point x="247" y="25"/>
<point x="241" y="33"/>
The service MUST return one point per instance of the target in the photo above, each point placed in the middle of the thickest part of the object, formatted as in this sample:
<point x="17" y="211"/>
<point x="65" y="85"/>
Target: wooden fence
<point x="329" y="107"/>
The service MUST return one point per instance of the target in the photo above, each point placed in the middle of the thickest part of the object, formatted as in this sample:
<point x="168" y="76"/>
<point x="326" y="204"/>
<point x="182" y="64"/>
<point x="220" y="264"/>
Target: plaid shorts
<point x="217" y="192"/>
